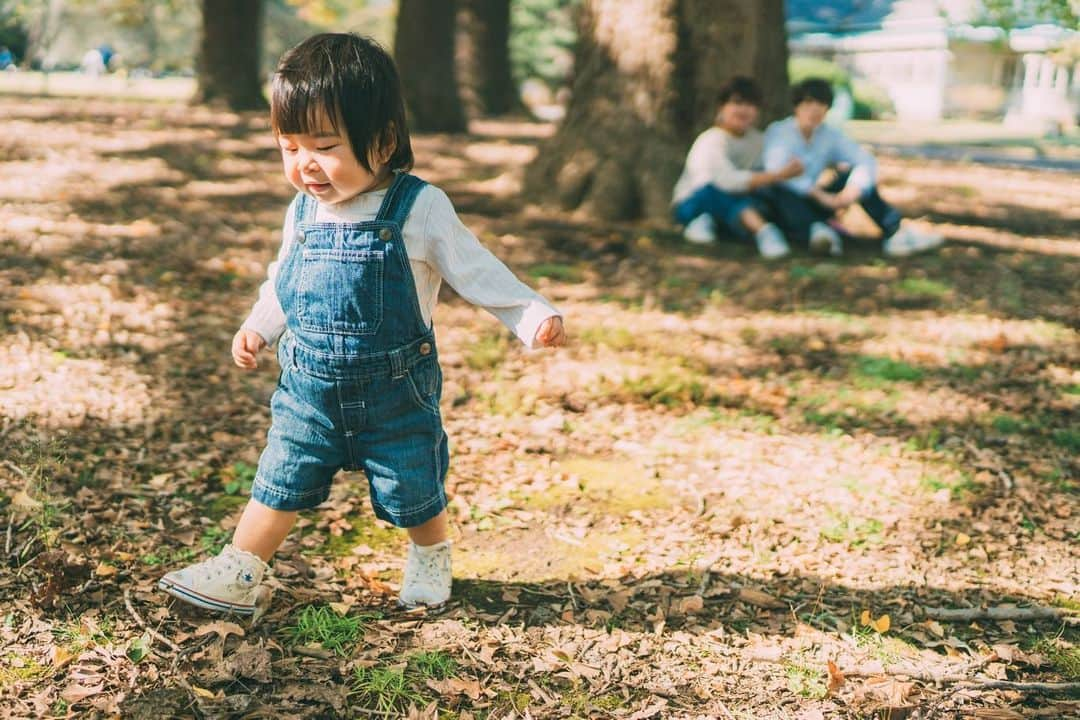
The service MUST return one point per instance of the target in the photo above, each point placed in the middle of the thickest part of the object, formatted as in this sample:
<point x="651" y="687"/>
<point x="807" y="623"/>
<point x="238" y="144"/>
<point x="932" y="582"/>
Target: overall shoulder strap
<point x="400" y="198"/>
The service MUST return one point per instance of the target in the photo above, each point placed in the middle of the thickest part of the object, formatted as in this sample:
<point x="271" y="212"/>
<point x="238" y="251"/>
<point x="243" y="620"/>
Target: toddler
<point x="365" y="247"/>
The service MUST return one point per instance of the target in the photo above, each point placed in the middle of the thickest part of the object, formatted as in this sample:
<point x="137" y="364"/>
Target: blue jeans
<point x="360" y="379"/>
<point x="795" y="213"/>
<point x="724" y="207"/>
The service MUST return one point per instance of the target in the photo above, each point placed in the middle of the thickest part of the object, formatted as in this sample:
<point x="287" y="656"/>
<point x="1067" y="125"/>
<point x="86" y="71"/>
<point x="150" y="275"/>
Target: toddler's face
<point x="323" y="164"/>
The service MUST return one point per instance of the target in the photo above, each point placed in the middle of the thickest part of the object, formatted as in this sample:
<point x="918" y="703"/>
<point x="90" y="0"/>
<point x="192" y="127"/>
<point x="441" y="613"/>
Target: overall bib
<point x="360" y="378"/>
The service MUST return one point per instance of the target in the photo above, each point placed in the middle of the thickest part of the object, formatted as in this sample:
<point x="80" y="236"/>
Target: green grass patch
<point x="392" y="689"/>
<point x="1064" y="657"/>
<point x="616" y="338"/>
<point x="923" y="288"/>
<point x="1007" y="424"/>
<point x="1068" y="438"/>
<point x="856" y="532"/>
<point x="15" y="668"/>
<point x="671" y="384"/>
<point x="386" y="690"/>
<point x="616" y="486"/>
<point x="487" y="352"/>
<point x="213" y="539"/>
<point x="887" y="369"/>
<point x="557" y="271"/>
<point x="78" y="635"/>
<point x="805" y="680"/>
<point x="320" y="624"/>
<point x="433" y="665"/>
<point x="958" y="486"/>
<point x="237" y="478"/>
<point x="365" y="531"/>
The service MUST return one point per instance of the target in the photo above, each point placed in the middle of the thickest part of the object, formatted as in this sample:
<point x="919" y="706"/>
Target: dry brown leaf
<point x="104" y="570"/>
<point x="75" y="692"/>
<point x="221" y="628"/>
<point x="450" y="687"/>
<point x="691" y="605"/>
<point x="836" y="678"/>
<point x="760" y="599"/>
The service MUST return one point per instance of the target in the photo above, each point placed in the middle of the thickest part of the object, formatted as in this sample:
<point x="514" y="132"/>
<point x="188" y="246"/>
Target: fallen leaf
<point x="836" y="678"/>
<point x="22" y="501"/>
<point x="60" y="656"/>
<point x="962" y="539"/>
<point x="104" y="570"/>
<point x="759" y="598"/>
<point x="881" y="625"/>
<point x="75" y="692"/>
<point x="202" y="692"/>
<point x="222" y="628"/>
<point x="691" y="605"/>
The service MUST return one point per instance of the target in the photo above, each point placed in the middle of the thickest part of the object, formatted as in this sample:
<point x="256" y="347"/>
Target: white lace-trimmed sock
<point x="428" y="575"/>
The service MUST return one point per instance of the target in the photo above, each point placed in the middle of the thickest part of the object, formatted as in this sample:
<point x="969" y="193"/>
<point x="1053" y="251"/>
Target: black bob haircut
<point x="740" y="88"/>
<point x="355" y="83"/>
<point x="812" y="89"/>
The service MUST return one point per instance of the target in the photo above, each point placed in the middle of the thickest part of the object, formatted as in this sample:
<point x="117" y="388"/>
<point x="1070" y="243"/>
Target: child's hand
<point x="244" y="346"/>
<point x="551" y="333"/>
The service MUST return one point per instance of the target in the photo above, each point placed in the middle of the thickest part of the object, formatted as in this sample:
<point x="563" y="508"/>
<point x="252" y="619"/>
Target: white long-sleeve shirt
<point x="719" y="158"/>
<point x="439" y="247"/>
<point x="826" y="148"/>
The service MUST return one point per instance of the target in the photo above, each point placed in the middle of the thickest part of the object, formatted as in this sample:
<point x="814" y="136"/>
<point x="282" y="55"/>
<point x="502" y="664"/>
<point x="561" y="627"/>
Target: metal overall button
<point x="425" y="348"/>
<point x="385" y="234"/>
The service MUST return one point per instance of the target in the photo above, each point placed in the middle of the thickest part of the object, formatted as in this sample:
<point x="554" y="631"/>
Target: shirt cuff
<point x="531" y="320"/>
<point x="267" y="324"/>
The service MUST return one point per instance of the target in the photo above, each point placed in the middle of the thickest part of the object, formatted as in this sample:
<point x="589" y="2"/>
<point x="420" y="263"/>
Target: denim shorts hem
<point x="276" y="498"/>
<point x="413" y="516"/>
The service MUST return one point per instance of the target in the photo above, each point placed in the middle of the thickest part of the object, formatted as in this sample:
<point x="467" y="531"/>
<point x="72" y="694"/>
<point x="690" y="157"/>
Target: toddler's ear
<point x="387" y="145"/>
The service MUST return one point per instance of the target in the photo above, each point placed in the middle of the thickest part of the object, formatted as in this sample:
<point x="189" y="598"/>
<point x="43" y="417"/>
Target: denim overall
<point x="360" y="379"/>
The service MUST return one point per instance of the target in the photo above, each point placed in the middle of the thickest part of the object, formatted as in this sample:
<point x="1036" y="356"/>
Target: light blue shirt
<point x="826" y="148"/>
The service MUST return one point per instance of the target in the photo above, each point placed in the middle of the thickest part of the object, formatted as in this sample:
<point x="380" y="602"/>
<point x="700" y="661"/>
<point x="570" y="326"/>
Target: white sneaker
<point x="825" y="241"/>
<point x="908" y="241"/>
<point x="427" y="576"/>
<point x="226" y="582"/>
<point x="771" y="243"/>
<point x="700" y="230"/>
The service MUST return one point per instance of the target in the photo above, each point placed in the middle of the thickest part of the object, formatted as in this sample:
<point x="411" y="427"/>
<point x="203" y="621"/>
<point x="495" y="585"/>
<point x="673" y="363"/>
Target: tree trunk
<point x="487" y="85"/>
<point x="424" y="49"/>
<point x="228" y="64"/>
<point x="646" y="77"/>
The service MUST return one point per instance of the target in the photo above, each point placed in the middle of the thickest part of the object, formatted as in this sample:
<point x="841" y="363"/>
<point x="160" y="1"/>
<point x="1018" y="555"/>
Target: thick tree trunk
<point x="228" y="65"/>
<point x="646" y="77"/>
<point x="424" y="49"/>
<point x="487" y="85"/>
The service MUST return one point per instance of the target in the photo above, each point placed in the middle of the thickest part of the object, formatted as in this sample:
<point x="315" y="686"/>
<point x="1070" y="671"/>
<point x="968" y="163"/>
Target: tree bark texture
<point x="228" y="64"/>
<point x="645" y="83"/>
<point x="424" y="46"/>
<point x="483" y="52"/>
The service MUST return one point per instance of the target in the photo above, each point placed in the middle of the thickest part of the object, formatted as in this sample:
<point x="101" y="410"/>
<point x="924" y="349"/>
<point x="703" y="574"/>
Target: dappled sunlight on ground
<point x="727" y="465"/>
<point x="57" y="390"/>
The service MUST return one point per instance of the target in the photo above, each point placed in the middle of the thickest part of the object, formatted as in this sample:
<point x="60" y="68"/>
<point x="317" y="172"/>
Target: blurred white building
<point x="935" y="60"/>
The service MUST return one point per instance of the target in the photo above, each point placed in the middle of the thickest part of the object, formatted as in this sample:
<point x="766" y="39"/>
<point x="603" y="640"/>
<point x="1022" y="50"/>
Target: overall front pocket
<point x="340" y="291"/>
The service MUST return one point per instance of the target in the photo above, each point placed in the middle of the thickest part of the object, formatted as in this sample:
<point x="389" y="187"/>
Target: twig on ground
<point x="16" y="469"/>
<point x="142" y="623"/>
<point x="994" y="613"/>
<point x="967" y="680"/>
<point x="573" y="600"/>
<point x="7" y="538"/>
<point x="313" y="652"/>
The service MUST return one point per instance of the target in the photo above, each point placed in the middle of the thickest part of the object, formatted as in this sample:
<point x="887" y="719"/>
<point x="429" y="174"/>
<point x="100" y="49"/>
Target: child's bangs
<point x="303" y="108"/>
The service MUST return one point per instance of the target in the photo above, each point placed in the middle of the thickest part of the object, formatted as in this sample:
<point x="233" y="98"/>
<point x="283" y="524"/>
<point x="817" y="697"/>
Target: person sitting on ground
<point x="721" y="175"/>
<point x="803" y="207"/>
